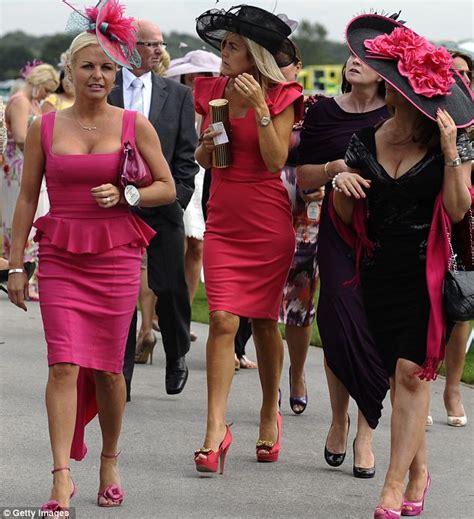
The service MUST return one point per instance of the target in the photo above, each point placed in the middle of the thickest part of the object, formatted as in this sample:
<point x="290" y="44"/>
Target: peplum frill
<point x="93" y="236"/>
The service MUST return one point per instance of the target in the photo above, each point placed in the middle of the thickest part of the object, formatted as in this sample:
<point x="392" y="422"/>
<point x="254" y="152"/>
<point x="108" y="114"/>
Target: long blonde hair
<point x="267" y="69"/>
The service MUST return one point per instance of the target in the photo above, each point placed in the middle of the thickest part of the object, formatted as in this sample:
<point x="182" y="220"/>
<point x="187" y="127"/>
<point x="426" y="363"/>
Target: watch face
<point x="265" y="121"/>
<point x="132" y="196"/>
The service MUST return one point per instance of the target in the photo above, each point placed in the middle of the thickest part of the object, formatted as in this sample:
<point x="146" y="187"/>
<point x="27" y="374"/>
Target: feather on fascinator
<point x="116" y="34"/>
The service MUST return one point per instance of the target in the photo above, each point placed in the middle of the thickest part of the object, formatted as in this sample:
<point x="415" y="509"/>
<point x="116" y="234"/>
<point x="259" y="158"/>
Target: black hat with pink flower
<point x="420" y="71"/>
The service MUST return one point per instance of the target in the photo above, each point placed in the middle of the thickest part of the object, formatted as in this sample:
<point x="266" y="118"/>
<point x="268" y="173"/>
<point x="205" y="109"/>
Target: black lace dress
<point x="393" y="280"/>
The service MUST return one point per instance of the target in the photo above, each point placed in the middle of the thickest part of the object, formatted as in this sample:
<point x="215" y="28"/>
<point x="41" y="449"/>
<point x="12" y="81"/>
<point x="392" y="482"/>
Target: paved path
<point x="161" y="432"/>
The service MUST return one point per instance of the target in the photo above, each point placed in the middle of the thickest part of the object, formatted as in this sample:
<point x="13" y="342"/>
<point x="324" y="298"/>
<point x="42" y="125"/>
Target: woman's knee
<point x="406" y="376"/>
<point x="264" y="327"/>
<point x="194" y="249"/>
<point x="223" y="323"/>
<point x="63" y="373"/>
<point x="108" y="381"/>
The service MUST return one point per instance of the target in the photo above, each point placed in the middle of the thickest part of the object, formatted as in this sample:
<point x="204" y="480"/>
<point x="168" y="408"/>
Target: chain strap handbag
<point x="458" y="288"/>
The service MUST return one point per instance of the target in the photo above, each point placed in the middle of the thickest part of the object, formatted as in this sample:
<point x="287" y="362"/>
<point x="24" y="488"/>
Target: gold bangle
<point x="325" y="169"/>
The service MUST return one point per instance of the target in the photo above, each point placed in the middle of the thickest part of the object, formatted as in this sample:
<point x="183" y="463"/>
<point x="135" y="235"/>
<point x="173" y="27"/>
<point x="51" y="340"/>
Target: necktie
<point x="137" y="95"/>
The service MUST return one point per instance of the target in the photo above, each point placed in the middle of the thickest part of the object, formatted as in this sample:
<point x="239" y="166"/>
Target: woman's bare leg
<point x="269" y="347"/>
<point x="298" y="339"/>
<point x="110" y="395"/>
<point x="61" y="405"/>
<point x="411" y="398"/>
<point x="454" y="361"/>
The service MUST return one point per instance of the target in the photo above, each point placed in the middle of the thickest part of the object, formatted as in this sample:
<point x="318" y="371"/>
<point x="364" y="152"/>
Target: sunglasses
<point x="153" y="44"/>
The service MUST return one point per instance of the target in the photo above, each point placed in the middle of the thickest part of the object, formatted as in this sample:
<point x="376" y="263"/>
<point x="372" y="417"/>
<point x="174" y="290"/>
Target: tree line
<point x="17" y="48"/>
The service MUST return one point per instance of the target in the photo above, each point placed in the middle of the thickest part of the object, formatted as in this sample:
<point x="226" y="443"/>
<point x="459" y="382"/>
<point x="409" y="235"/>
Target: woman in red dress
<point x="249" y="240"/>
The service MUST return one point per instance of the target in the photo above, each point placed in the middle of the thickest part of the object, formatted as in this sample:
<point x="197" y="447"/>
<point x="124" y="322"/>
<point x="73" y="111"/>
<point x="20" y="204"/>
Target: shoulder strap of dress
<point x="128" y="126"/>
<point x="47" y="128"/>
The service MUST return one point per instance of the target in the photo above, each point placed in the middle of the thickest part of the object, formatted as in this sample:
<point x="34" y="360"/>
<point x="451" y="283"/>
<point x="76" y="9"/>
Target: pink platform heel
<point x="268" y="451"/>
<point x="207" y="460"/>
<point x="112" y="492"/>
<point x="414" y="508"/>
<point x="387" y="513"/>
<point x="52" y="505"/>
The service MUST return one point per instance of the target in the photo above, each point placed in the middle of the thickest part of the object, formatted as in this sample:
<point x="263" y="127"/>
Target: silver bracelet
<point x="15" y="271"/>
<point x="334" y="184"/>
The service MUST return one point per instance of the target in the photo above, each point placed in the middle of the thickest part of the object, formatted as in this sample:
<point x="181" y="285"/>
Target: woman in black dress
<point x="351" y="362"/>
<point x="414" y="177"/>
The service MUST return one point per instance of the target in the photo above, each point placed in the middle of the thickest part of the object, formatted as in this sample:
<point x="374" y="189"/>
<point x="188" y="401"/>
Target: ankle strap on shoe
<point x="60" y="469"/>
<point x="111" y="456"/>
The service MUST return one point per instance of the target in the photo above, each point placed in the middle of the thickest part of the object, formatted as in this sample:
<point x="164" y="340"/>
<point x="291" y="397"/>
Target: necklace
<point x="88" y="128"/>
<point x="83" y="126"/>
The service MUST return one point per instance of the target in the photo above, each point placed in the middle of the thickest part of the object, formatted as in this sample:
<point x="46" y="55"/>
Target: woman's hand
<point x="18" y="289"/>
<point x="448" y="134"/>
<point x="351" y="184"/>
<point x="247" y="86"/>
<point x="106" y="195"/>
<point x="207" y="139"/>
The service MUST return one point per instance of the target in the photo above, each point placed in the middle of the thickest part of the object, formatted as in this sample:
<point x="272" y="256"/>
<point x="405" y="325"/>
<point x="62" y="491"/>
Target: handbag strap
<point x="128" y="127"/>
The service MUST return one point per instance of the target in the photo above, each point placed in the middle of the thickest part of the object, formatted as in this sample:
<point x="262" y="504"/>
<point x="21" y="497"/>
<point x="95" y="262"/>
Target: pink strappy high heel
<point x="414" y="508"/>
<point x="112" y="492"/>
<point x="387" y="513"/>
<point x="52" y="505"/>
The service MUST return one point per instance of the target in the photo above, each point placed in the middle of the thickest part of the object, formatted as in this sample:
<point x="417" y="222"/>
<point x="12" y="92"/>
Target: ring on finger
<point x="107" y="199"/>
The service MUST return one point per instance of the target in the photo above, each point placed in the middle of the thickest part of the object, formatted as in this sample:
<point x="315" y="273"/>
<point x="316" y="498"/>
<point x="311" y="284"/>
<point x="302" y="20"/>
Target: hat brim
<point x="459" y="104"/>
<point x="190" y="68"/>
<point x="213" y="25"/>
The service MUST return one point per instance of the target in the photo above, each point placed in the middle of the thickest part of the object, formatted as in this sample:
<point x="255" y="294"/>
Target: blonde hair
<point x="81" y="41"/>
<point x="268" y="71"/>
<point x="164" y="64"/>
<point x="42" y="73"/>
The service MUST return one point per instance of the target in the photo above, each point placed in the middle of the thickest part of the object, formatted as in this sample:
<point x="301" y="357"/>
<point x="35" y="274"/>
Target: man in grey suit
<point x="169" y="107"/>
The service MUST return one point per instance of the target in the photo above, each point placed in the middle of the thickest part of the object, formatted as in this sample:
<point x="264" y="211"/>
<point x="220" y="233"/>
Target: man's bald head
<point x="148" y="32"/>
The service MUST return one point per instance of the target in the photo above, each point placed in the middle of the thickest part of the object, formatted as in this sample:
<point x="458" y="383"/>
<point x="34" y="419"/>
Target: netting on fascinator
<point x="115" y="32"/>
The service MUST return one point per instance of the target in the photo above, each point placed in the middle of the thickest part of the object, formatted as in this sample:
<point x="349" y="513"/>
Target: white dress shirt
<point x="128" y="77"/>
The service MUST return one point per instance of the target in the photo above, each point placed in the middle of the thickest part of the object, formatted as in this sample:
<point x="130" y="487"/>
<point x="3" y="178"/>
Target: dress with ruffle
<point x="89" y="270"/>
<point x="249" y="239"/>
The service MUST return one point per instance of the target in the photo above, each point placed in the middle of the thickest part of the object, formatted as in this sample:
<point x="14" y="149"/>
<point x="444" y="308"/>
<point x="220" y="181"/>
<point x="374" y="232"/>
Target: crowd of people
<point x="349" y="191"/>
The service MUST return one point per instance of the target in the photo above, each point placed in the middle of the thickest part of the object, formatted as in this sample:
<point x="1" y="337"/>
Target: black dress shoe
<point x="176" y="375"/>
<point x="336" y="459"/>
<point x="360" y="472"/>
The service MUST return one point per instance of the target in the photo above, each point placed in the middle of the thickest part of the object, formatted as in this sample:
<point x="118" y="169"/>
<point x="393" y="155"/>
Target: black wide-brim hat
<point x="459" y="104"/>
<point x="254" y="23"/>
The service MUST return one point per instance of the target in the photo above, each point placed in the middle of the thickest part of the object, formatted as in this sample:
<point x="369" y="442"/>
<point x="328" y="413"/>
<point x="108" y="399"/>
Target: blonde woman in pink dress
<point x="90" y="248"/>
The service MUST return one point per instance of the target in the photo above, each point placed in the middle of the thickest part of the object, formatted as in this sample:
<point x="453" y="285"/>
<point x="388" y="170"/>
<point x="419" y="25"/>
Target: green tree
<point x="54" y="46"/>
<point x="12" y="58"/>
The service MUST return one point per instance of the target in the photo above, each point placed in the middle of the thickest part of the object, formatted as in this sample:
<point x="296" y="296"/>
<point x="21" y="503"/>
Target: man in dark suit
<point x="169" y="107"/>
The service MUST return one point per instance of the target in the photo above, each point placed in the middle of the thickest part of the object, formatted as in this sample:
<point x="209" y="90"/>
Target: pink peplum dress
<point x="89" y="273"/>
<point x="249" y="240"/>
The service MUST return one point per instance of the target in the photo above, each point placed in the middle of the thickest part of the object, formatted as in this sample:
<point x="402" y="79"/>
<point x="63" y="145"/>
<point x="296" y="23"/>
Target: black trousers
<point x="167" y="280"/>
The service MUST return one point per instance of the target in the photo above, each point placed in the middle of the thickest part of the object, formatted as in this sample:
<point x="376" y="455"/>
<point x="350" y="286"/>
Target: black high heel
<point x="361" y="472"/>
<point x="337" y="459"/>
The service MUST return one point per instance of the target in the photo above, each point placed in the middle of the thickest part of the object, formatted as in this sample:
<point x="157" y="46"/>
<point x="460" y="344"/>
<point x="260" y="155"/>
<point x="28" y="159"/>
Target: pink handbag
<point x="133" y="169"/>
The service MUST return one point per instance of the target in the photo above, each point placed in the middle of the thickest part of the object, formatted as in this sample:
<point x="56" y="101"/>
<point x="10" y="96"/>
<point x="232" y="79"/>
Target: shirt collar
<point x="128" y="77"/>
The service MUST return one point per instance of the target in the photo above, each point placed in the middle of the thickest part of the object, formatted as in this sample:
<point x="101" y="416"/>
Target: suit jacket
<point x="172" y="115"/>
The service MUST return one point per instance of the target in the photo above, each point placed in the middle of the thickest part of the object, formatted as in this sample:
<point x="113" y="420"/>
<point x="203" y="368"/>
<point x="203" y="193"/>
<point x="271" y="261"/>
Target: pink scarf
<point x="437" y="262"/>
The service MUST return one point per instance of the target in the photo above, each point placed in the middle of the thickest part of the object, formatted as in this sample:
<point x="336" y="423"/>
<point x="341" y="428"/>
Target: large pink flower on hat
<point x="427" y="67"/>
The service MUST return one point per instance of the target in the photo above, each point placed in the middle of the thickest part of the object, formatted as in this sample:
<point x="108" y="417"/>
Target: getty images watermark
<point x="35" y="513"/>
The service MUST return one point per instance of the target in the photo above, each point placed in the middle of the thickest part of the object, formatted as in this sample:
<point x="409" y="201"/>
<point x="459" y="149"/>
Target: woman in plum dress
<point x="90" y="245"/>
<point x="249" y="239"/>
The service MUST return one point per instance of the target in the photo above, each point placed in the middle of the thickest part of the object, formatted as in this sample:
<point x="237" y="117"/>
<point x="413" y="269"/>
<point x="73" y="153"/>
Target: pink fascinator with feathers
<point x="115" y="32"/>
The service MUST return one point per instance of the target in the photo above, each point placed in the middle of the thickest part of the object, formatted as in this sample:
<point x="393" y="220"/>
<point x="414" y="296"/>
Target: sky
<point x="435" y="19"/>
